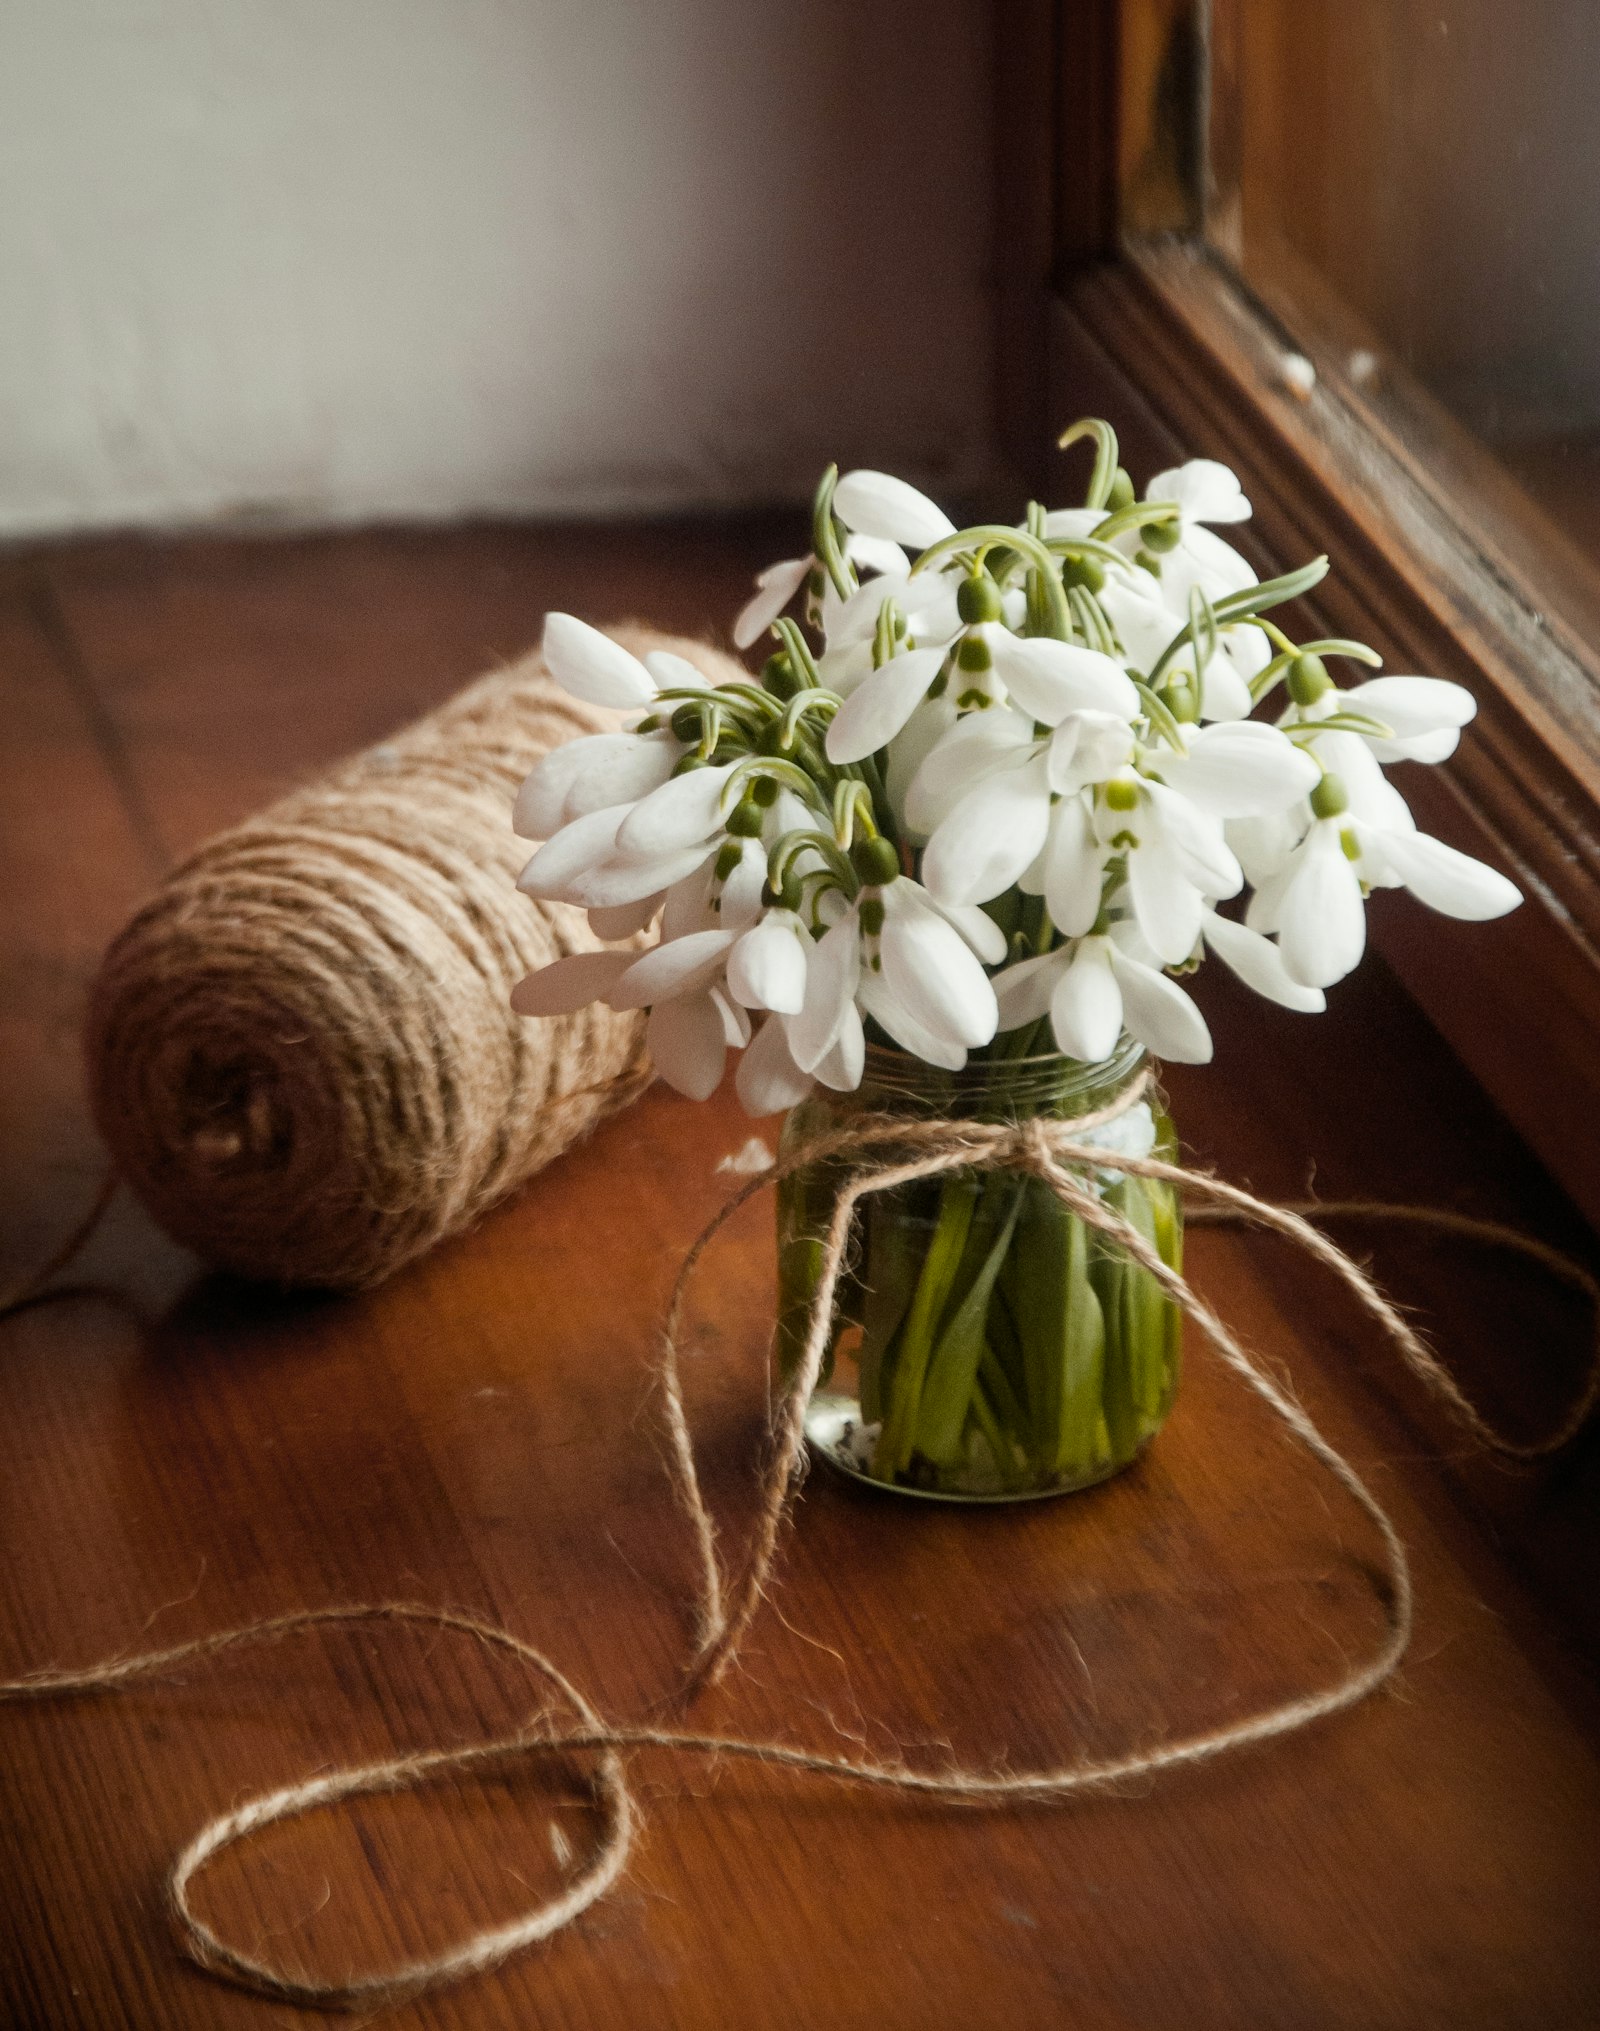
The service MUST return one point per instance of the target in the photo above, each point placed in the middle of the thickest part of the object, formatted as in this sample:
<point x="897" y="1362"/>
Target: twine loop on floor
<point x="881" y="1153"/>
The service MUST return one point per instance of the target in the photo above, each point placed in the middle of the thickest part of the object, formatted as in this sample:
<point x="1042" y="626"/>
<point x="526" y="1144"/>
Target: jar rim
<point x="1043" y="1081"/>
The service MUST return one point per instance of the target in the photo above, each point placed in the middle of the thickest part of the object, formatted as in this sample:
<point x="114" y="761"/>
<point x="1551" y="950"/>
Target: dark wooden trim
<point x="1128" y="314"/>
<point x="1163" y="343"/>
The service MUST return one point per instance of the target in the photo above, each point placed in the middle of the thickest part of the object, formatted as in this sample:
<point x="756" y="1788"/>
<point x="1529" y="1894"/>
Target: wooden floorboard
<point x="475" y="1433"/>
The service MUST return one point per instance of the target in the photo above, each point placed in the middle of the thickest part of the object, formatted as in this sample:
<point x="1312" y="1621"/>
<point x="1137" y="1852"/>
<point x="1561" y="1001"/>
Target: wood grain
<point x="476" y="1432"/>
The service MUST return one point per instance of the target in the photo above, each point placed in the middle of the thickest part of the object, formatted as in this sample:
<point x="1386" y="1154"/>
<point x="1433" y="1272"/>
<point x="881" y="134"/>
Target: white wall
<point x="313" y="260"/>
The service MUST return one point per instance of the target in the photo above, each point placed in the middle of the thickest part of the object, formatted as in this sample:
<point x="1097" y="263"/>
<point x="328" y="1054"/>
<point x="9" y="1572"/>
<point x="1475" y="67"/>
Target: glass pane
<point x="1419" y="186"/>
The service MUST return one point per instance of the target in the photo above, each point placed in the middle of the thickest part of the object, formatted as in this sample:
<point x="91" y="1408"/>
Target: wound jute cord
<point x="880" y="1154"/>
<point x="301" y="1052"/>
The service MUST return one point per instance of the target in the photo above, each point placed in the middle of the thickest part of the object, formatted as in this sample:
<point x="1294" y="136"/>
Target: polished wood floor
<point x="179" y="1452"/>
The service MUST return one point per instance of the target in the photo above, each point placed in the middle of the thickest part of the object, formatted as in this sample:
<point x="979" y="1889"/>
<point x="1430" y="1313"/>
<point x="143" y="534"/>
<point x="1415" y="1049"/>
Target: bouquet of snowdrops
<point x="988" y="794"/>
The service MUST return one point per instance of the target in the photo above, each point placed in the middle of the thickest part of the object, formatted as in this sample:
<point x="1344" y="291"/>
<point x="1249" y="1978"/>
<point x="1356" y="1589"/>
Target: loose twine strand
<point x="1058" y="1154"/>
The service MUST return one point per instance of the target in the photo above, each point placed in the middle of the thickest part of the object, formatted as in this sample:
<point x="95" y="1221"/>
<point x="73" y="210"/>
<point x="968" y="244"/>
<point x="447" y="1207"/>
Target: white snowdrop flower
<point x="594" y="668"/>
<point x="877" y="504"/>
<point x="1177" y="859"/>
<point x="1424" y="715"/>
<point x="767" y="966"/>
<point x="779" y="583"/>
<point x="931" y="970"/>
<point x="1316" y="907"/>
<point x="1095" y="988"/>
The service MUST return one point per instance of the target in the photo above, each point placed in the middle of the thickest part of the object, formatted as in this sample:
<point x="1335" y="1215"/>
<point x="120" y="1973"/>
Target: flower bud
<point x="1308" y="680"/>
<point x="1162" y="536"/>
<point x="1088" y="572"/>
<point x="1121" y="495"/>
<point x="875" y="860"/>
<point x="1330" y="799"/>
<point x="686" y="722"/>
<point x="978" y="599"/>
<point x="765" y="792"/>
<point x="744" y="820"/>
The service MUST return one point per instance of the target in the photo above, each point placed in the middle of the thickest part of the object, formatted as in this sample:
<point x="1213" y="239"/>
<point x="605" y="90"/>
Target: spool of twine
<point x="301" y="1051"/>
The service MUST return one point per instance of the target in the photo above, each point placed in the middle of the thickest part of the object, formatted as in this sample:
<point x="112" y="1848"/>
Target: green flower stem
<point x="892" y="1454"/>
<point x="947" y="1391"/>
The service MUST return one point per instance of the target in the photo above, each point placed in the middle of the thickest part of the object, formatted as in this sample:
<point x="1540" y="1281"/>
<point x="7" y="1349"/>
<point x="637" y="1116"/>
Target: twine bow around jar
<point x="726" y="1601"/>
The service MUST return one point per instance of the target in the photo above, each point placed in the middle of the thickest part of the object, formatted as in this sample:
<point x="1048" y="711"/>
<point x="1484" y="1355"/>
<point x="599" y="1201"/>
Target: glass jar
<point x="987" y="1343"/>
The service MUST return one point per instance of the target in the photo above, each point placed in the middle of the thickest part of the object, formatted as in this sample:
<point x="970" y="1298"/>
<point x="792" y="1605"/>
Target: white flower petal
<point x="1259" y="964"/>
<point x="1023" y="991"/>
<point x="592" y="666"/>
<point x="1455" y="883"/>
<point x="1166" y="903"/>
<point x="909" y="749"/>
<point x="878" y="1000"/>
<point x="620" y="768"/>
<point x="873" y="553"/>
<point x="1195" y="837"/>
<point x="736" y="1024"/>
<point x="625" y="919"/>
<point x="1205" y="490"/>
<point x="1050" y="679"/>
<point x="768" y="1080"/>
<point x="775" y="587"/>
<point x="1074" y="869"/>
<point x="682" y="813"/>
<point x="1143" y="622"/>
<point x="1411" y="705"/>
<point x="767" y="967"/>
<point x="740" y="903"/>
<point x="1086" y="748"/>
<point x="880" y="705"/>
<point x="1086" y="1007"/>
<point x="675" y="673"/>
<point x="680" y="966"/>
<point x="1322" y="925"/>
<point x="877" y="504"/>
<point x="832" y="969"/>
<point x="840" y="1067"/>
<point x="1073" y="521"/>
<point x="977" y="927"/>
<point x="1224" y="691"/>
<point x="976" y="746"/>
<point x="991" y="836"/>
<point x="620" y="880"/>
<point x="931" y="971"/>
<point x="686" y="1040"/>
<point x="541" y="807"/>
<point x="571" y="854"/>
<point x="1158" y="1012"/>
<point x="1241" y="769"/>
<point x="568" y="984"/>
